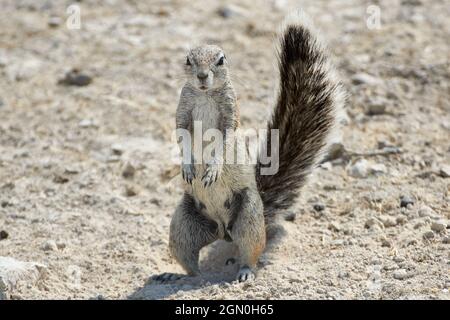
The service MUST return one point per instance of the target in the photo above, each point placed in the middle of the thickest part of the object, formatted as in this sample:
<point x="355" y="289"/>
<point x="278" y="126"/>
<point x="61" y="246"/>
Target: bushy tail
<point x="309" y="100"/>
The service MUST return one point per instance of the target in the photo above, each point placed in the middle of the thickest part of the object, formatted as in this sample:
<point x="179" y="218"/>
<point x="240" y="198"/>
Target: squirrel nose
<point x="202" y="75"/>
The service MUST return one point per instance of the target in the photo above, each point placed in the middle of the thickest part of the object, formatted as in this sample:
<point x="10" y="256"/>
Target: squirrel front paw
<point x="211" y="174"/>
<point x="188" y="172"/>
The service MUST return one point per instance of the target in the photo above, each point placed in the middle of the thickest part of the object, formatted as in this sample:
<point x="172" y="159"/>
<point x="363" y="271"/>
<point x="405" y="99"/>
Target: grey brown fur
<point x="234" y="202"/>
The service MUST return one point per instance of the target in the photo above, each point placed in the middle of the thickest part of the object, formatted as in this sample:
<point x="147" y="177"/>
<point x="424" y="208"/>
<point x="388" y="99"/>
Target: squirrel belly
<point x="236" y="202"/>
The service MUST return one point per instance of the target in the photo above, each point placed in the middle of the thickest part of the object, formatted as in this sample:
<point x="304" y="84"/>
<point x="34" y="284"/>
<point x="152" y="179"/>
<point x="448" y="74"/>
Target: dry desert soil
<point x="87" y="181"/>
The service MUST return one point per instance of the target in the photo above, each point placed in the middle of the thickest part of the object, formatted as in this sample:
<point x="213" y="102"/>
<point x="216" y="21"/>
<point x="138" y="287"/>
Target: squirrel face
<point x="206" y="67"/>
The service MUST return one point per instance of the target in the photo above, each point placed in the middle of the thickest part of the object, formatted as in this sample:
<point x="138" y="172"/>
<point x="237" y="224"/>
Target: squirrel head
<point x="206" y="67"/>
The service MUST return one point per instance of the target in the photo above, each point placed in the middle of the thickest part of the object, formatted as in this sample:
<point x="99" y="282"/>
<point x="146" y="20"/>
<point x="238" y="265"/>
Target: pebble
<point x="117" y="149"/>
<point x="377" y="169"/>
<point x="128" y="170"/>
<point x="320" y="291"/>
<point x="386" y="243"/>
<point x="75" y="78"/>
<point x="60" y="179"/>
<point x="438" y="226"/>
<point x="376" y="107"/>
<point x="426" y="211"/>
<point x="23" y="69"/>
<point x="444" y="171"/>
<point x="373" y="222"/>
<point x="364" y="78"/>
<point x="231" y="11"/>
<point x="54" y="22"/>
<point x="336" y="151"/>
<point x="446" y="240"/>
<point x="334" y="226"/>
<point x="338" y="242"/>
<point x="290" y="216"/>
<point x="87" y="123"/>
<point x="359" y="169"/>
<point x="401" y="274"/>
<point x="3" y="235"/>
<point x="419" y="225"/>
<point x="71" y="170"/>
<point x="343" y="274"/>
<point x="61" y="245"/>
<point x="225" y="12"/>
<point x="405" y="201"/>
<point x="428" y="235"/>
<point x="363" y="168"/>
<point x="130" y="191"/>
<point x="389" y="221"/>
<point x="400" y="220"/>
<point x="375" y="261"/>
<point x="50" y="245"/>
<point x="279" y="5"/>
<point x="319" y="207"/>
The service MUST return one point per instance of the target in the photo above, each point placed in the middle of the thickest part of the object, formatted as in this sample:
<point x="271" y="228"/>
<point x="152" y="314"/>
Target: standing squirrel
<point x="236" y="202"/>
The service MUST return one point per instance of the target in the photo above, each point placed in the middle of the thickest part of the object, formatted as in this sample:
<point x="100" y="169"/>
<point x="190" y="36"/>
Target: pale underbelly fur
<point x="232" y="178"/>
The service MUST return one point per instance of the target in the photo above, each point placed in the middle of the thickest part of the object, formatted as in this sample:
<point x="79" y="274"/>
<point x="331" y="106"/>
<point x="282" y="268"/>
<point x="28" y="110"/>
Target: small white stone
<point x="12" y="271"/>
<point x="377" y="169"/>
<point x="86" y="123"/>
<point x="426" y="211"/>
<point x="444" y="172"/>
<point x="364" y="78"/>
<point x="401" y="274"/>
<point x="359" y="169"/>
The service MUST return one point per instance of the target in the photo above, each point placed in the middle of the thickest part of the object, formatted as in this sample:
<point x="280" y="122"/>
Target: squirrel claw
<point x="211" y="175"/>
<point x="188" y="172"/>
<point x="245" y="274"/>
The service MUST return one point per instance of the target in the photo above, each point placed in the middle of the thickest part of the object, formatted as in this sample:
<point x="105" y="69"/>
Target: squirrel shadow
<point x="214" y="269"/>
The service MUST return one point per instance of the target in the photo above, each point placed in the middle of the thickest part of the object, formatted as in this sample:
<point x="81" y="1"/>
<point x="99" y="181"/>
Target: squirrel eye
<point x="220" y="62"/>
<point x="188" y="62"/>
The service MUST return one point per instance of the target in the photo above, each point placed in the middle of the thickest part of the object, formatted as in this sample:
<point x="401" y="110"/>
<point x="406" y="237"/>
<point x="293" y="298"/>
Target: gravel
<point x="110" y="244"/>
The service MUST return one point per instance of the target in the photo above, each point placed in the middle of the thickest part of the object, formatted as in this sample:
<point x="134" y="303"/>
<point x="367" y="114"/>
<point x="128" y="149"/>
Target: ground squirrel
<point x="236" y="202"/>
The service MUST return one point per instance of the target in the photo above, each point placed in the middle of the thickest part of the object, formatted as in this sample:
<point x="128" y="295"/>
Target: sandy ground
<point x="66" y="204"/>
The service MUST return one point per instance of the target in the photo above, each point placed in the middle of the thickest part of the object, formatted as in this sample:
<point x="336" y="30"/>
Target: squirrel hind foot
<point x="245" y="274"/>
